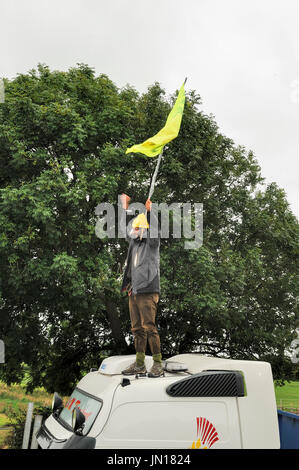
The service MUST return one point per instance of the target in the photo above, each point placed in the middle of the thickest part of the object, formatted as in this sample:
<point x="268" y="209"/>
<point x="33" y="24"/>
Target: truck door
<point x="177" y="423"/>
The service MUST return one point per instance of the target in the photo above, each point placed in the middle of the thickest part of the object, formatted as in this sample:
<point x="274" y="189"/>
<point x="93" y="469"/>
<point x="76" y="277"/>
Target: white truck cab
<point x="200" y="402"/>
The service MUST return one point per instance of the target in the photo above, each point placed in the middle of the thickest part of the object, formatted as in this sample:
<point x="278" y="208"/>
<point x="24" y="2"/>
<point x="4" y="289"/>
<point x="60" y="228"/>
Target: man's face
<point x="138" y="232"/>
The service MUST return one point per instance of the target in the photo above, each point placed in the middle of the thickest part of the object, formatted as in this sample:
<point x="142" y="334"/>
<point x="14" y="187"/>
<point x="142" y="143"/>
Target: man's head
<point x="139" y="227"/>
<point x="138" y="232"/>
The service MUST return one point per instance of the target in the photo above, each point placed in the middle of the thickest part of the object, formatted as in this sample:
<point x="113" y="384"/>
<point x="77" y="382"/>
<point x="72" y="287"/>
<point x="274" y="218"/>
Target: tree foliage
<point x="63" y="137"/>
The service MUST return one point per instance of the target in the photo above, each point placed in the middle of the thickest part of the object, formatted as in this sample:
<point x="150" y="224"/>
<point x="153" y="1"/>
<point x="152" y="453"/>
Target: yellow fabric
<point x="154" y="145"/>
<point x="140" y="221"/>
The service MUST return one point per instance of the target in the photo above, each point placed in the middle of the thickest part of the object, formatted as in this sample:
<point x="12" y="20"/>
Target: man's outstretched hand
<point x="125" y="201"/>
<point x="148" y="205"/>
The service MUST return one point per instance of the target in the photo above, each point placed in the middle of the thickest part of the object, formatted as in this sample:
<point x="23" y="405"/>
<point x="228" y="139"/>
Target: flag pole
<point x="152" y="187"/>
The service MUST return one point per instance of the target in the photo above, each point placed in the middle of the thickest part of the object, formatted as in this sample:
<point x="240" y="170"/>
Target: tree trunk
<point x="117" y="334"/>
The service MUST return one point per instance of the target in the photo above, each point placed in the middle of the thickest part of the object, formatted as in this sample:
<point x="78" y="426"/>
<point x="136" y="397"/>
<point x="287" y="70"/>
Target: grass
<point x="3" y="420"/>
<point x="287" y="396"/>
<point x="16" y="397"/>
<point x="3" y="438"/>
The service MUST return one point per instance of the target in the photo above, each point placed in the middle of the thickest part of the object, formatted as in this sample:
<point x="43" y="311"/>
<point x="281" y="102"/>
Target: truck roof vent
<point x="173" y="366"/>
<point x="212" y="383"/>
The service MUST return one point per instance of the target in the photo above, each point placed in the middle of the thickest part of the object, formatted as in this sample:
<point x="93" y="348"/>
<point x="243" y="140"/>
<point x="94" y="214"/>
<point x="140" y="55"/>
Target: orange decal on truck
<point x="206" y="434"/>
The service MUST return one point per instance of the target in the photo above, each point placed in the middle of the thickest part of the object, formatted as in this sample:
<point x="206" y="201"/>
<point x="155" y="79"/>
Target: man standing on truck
<point x="141" y="281"/>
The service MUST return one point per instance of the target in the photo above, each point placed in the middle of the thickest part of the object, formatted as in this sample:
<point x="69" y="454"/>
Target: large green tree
<point x="63" y="137"/>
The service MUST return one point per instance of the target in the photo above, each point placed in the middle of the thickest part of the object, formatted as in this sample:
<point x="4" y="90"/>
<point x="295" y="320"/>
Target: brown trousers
<point x="143" y="310"/>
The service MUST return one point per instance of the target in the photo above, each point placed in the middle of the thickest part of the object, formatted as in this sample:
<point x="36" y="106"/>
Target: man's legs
<point x="147" y="305"/>
<point x="139" y="333"/>
<point x="137" y="329"/>
<point x="143" y="310"/>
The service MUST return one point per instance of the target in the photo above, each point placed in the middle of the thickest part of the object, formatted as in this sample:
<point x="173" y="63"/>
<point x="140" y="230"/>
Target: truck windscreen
<point x="90" y="406"/>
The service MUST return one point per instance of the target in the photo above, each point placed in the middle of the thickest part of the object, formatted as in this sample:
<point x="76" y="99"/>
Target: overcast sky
<point x="241" y="56"/>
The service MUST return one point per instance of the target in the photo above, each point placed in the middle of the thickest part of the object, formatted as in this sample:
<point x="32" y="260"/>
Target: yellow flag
<point x="154" y="145"/>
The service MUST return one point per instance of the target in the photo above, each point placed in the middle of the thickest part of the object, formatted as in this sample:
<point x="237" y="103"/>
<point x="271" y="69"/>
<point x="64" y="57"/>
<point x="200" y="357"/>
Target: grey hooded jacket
<point x="142" y="269"/>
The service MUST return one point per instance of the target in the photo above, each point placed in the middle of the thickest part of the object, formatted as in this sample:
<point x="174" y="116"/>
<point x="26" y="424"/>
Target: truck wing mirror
<point x="57" y="404"/>
<point x="78" y="421"/>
